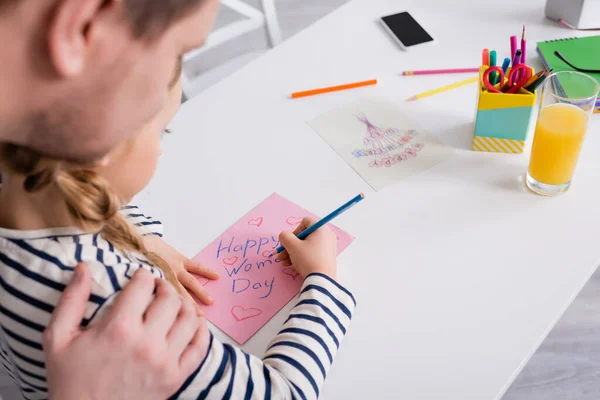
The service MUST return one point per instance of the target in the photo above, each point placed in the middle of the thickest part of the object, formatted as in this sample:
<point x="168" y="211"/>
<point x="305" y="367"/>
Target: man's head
<point x="79" y="76"/>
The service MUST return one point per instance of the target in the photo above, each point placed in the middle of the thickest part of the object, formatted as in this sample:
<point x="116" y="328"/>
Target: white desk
<point x="459" y="272"/>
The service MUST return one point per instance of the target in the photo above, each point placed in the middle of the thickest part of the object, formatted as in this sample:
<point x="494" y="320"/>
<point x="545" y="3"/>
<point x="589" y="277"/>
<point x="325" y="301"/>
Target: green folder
<point x="582" y="52"/>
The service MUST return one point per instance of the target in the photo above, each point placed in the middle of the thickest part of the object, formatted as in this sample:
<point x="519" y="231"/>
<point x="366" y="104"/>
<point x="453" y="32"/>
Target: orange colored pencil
<point x="333" y="89"/>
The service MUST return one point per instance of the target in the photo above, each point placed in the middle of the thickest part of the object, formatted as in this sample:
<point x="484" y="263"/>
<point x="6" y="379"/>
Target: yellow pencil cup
<point x="502" y="121"/>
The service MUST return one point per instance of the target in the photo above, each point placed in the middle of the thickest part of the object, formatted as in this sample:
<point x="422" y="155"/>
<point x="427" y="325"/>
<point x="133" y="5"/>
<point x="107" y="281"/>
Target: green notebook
<point x="581" y="52"/>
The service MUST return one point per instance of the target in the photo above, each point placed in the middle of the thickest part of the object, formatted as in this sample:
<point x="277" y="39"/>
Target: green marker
<point x="493" y="64"/>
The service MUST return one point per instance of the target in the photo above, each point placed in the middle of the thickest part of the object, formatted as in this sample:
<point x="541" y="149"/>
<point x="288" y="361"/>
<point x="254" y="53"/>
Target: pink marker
<point x="440" y="71"/>
<point x="513" y="49"/>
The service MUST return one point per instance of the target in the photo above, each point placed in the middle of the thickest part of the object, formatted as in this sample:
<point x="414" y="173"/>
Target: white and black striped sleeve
<point x="145" y="225"/>
<point x="296" y="363"/>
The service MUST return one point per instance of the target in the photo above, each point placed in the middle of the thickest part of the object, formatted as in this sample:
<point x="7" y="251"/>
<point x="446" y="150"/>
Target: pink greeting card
<point x="253" y="286"/>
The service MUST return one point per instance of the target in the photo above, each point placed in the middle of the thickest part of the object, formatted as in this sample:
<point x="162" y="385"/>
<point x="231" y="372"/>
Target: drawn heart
<point x="293" y="220"/>
<point x="240" y="313"/>
<point x="204" y="281"/>
<point x="291" y="272"/>
<point x="230" y="260"/>
<point x="256" y="221"/>
<point x="267" y="253"/>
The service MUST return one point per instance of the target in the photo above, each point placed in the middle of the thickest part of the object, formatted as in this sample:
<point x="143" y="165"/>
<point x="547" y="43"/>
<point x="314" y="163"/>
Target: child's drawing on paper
<point x="254" y="286"/>
<point x="372" y="133"/>
<point x="386" y="146"/>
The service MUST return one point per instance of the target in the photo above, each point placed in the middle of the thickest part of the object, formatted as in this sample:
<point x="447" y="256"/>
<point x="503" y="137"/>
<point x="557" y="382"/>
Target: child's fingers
<point x="192" y="285"/>
<point x="306" y="223"/>
<point x="192" y="299"/>
<point x="284" y="255"/>
<point x="199" y="269"/>
<point x="287" y="262"/>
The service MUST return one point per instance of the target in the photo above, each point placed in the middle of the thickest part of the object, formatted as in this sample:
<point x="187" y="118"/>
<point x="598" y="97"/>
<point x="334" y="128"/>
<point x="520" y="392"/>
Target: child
<point x="54" y="214"/>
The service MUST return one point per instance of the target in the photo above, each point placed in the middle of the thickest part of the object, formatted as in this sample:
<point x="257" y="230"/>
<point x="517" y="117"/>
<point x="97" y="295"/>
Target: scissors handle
<point x="516" y="79"/>
<point x="487" y="80"/>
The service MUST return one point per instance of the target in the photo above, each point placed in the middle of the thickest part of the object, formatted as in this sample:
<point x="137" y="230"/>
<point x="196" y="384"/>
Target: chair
<point x="254" y="19"/>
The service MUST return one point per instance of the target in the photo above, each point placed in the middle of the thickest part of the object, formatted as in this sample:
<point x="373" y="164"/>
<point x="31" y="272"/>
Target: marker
<point x="304" y="234"/>
<point x="516" y="59"/>
<point x="485" y="57"/>
<point x="493" y="64"/>
<point x="505" y="65"/>
<point x="513" y="48"/>
<point x="333" y="89"/>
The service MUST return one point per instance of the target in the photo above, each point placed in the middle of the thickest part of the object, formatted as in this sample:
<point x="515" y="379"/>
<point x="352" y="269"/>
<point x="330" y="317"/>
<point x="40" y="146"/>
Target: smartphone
<point x="406" y="30"/>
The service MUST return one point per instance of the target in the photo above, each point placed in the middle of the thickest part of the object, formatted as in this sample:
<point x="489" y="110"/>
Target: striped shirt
<point x="36" y="266"/>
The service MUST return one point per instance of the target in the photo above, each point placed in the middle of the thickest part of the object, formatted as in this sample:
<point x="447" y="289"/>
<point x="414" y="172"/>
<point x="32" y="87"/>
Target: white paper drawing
<point x="379" y="141"/>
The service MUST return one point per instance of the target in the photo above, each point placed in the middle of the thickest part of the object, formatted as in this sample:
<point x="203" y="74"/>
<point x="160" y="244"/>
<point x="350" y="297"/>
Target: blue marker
<point x="505" y="65"/>
<point x="304" y="234"/>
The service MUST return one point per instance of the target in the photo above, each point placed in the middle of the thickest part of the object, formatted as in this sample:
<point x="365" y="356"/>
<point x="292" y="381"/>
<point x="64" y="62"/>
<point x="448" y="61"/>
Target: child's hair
<point x="88" y="196"/>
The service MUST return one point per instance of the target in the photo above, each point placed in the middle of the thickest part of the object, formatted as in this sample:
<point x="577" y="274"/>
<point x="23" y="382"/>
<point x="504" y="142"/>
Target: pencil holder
<point x="502" y="121"/>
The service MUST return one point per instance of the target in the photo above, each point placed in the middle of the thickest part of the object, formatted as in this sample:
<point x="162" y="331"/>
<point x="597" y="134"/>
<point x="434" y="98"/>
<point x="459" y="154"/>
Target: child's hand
<point x="317" y="253"/>
<point x="183" y="268"/>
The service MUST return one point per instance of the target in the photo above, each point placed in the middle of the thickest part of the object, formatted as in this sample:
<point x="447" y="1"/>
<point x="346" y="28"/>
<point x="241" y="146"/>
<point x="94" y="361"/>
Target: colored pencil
<point x="568" y="25"/>
<point x="535" y="77"/>
<point x="333" y="89"/>
<point x="565" y="23"/>
<point x="440" y="71"/>
<point x="523" y="47"/>
<point x="443" y="89"/>
<point x="531" y="88"/>
<point x="304" y="234"/>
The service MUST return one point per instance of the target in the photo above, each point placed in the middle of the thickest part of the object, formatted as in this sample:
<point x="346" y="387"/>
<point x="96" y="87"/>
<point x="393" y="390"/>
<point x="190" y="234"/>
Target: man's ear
<point x="103" y="162"/>
<point x="74" y="26"/>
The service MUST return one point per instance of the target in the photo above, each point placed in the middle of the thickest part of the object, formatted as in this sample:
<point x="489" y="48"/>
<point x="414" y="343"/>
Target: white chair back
<point x="254" y="19"/>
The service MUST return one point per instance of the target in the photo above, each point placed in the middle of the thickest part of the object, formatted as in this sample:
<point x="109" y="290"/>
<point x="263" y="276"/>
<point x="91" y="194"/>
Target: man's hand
<point x="183" y="268"/>
<point x="144" y="348"/>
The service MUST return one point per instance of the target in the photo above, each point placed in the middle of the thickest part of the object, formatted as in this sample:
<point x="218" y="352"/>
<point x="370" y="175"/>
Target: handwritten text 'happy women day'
<point x="233" y="252"/>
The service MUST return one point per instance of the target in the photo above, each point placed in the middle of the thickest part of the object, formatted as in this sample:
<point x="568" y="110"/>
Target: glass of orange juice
<point x="568" y="100"/>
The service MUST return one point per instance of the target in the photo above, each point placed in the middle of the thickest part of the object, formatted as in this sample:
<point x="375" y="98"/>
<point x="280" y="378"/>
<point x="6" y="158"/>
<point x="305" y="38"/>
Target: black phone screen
<point x="406" y="29"/>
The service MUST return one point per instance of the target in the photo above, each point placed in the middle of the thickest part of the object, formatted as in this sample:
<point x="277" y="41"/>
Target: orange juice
<point x="557" y="142"/>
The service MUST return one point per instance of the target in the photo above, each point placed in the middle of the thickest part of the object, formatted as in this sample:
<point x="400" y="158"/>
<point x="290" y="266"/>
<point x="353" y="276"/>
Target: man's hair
<point x="148" y="18"/>
<point x="151" y="17"/>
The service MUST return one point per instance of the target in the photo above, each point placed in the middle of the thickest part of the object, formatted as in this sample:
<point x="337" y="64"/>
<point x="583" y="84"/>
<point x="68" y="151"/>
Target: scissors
<point x="518" y="76"/>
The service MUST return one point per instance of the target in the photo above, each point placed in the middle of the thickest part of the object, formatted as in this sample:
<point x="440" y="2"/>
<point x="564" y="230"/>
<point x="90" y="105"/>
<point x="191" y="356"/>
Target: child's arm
<point x="297" y="361"/>
<point x="295" y="364"/>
